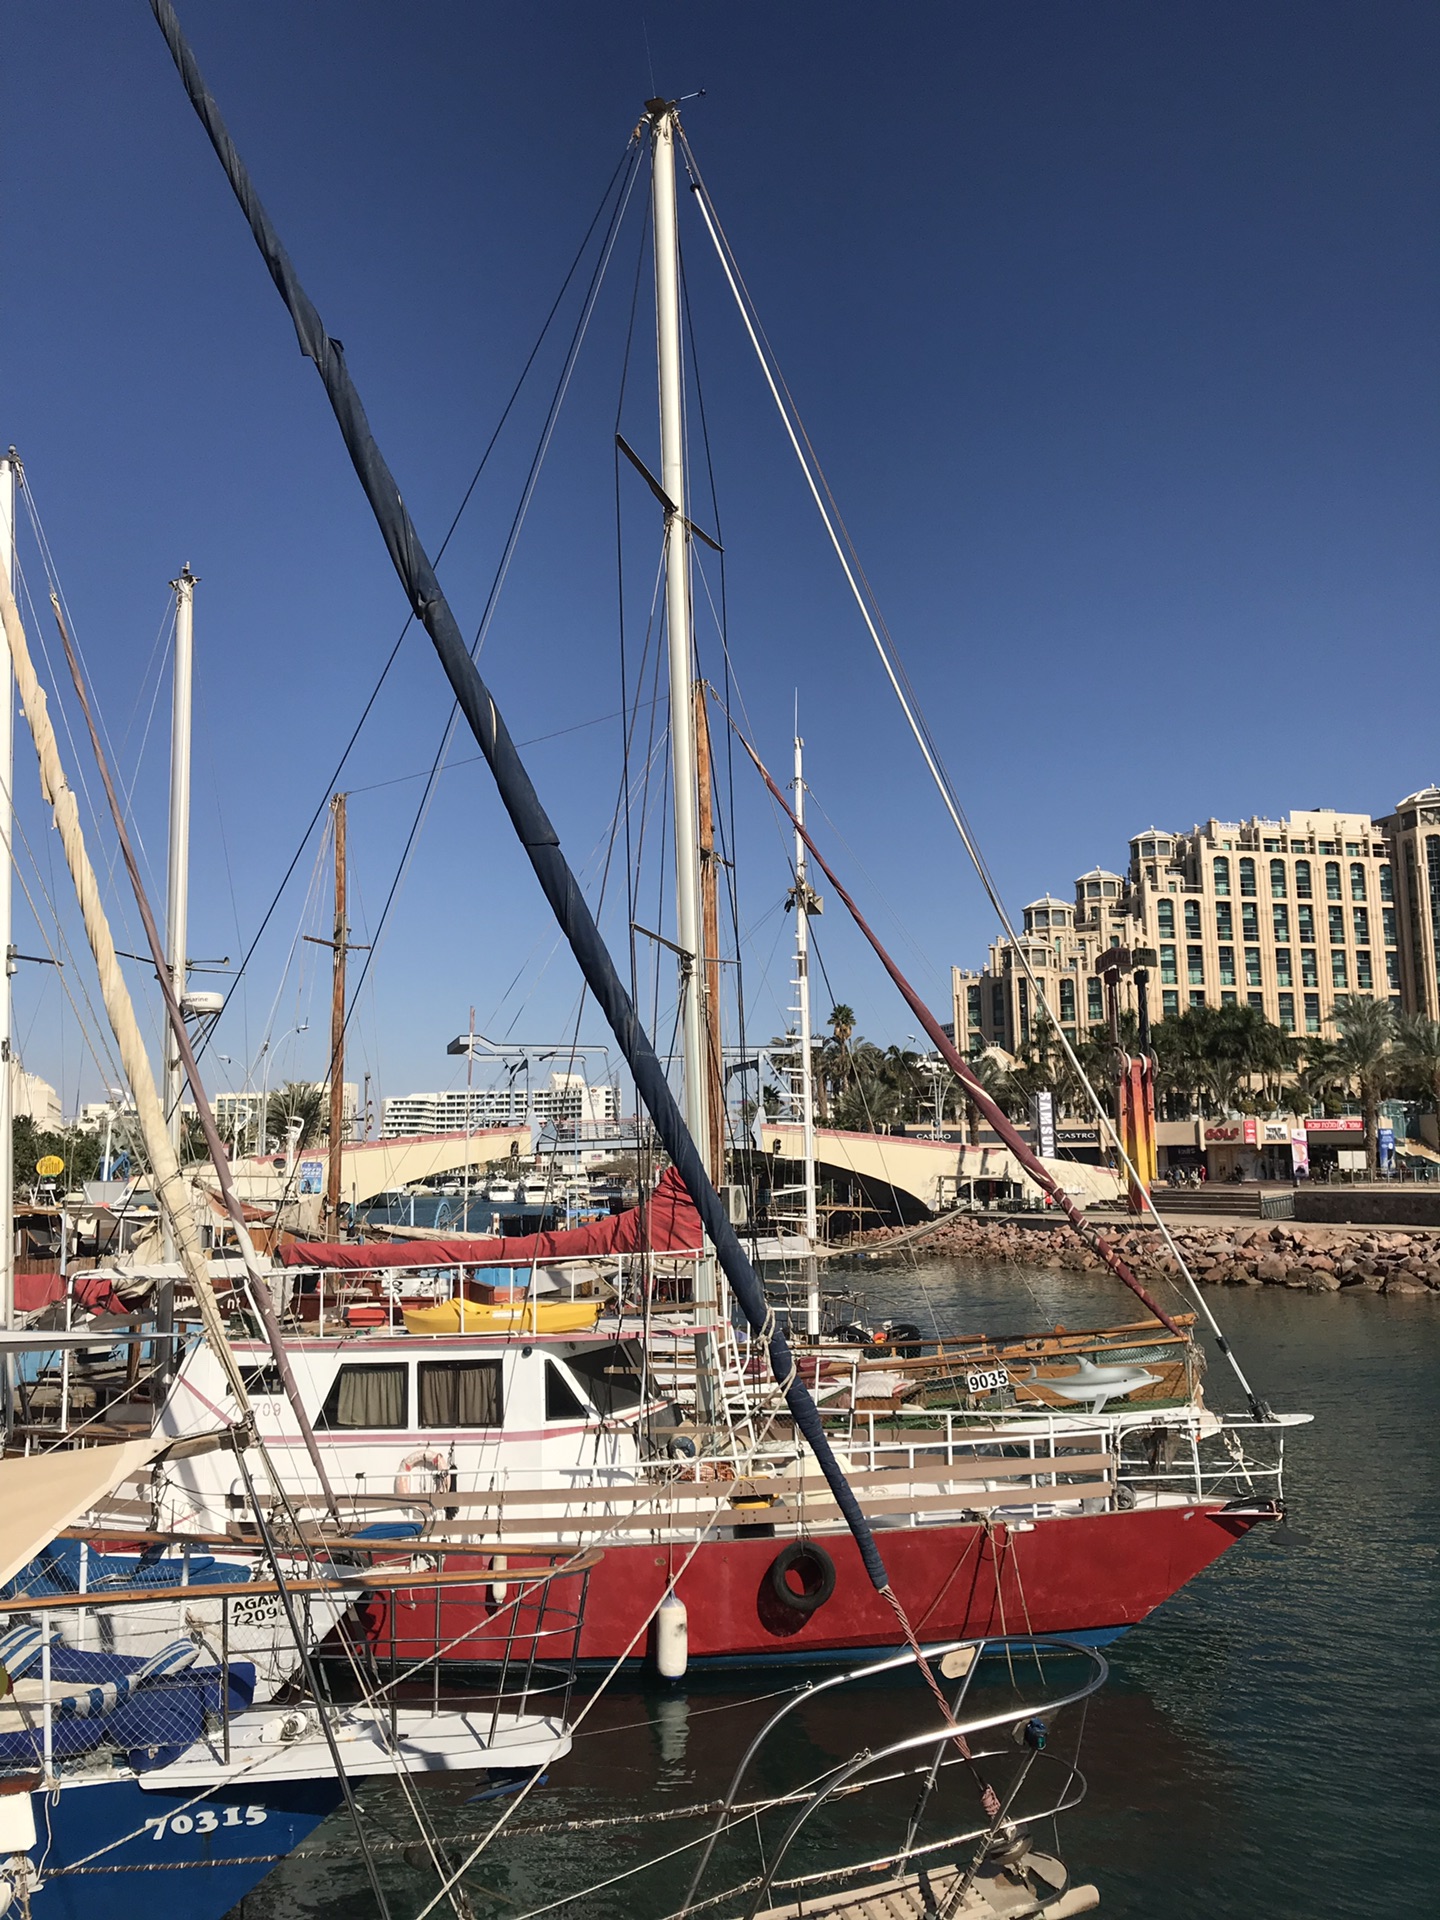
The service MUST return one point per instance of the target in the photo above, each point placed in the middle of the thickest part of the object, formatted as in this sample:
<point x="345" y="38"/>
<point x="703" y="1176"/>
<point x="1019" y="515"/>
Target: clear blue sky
<point x="1114" y="325"/>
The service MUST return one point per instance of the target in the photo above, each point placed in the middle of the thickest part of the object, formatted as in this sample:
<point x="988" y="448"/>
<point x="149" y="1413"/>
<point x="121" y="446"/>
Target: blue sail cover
<point x="528" y="817"/>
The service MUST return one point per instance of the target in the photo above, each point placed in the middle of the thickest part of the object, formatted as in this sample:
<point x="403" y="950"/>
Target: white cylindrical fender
<point x="672" y="1638"/>
<point x="499" y="1589"/>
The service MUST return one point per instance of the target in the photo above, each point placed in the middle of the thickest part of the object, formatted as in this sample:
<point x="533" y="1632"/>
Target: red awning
<point x="666" y="1223"/>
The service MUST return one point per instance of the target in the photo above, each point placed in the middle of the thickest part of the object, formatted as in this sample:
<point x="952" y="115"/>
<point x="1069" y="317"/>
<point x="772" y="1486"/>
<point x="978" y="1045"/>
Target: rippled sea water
<point x="1267" y="1742"/>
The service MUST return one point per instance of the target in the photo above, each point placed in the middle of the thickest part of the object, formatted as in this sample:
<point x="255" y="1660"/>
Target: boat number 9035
<point x="206" y="1820"/>
<point x="987" y="1380"/>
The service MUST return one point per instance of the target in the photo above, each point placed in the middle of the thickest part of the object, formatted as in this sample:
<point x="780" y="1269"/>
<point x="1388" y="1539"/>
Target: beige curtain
<point x="366" y="1397"/>
<point x="460" y="1393"/>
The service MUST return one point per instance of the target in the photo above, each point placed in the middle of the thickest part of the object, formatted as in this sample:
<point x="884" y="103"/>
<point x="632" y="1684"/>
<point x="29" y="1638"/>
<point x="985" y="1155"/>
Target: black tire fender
<point x="817" y="1574"/>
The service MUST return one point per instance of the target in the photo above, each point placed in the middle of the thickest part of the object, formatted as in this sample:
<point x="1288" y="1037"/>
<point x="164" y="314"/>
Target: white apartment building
<point x="566" y="1099"/>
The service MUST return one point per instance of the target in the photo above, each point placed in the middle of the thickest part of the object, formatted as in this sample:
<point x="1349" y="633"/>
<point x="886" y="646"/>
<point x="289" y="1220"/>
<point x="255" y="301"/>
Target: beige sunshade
<point x="42" y="1492"/>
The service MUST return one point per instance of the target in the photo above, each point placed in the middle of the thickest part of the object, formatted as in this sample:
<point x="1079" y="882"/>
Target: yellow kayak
<point x="476" y="1316"/>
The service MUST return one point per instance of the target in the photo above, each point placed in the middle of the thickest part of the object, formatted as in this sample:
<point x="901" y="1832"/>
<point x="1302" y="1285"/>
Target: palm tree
<point x="1366" y="1056"/>
<point x="303" y="1101"/>
<point x="992" y="1077"/>
<point x="1418" y="1050"/>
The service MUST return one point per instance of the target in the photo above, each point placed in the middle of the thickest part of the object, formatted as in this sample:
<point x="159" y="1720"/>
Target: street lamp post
<point x="263" y="1114"/>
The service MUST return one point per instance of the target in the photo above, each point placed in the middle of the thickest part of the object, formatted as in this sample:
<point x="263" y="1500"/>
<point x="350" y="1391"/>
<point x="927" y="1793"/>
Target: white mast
<point x="682" y="721"/>
<point x="804" y="900"/>
<point x="9" y="471"/>
<point x="177" y="909"/>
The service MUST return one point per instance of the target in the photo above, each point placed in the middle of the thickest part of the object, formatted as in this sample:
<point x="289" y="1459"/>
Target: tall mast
<point x="9" y="472"/>
<point x="337" y="1019"/>
<point x="709" y="945"/>
<point x="804" y="904"/>
<point x="695" y="1101"/>
<point x="177" y="903"/>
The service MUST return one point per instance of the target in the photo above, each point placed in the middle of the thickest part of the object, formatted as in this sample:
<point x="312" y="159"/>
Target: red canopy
<point x="666" y="1223"/>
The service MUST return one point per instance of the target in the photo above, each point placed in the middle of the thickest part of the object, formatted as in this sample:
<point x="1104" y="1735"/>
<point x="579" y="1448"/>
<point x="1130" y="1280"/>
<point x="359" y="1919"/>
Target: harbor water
<point x="1266" y="1744"/>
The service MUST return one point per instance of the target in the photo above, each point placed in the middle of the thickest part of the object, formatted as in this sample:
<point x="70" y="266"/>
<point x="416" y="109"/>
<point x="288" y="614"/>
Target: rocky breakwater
<point x="1304" y="1258"/>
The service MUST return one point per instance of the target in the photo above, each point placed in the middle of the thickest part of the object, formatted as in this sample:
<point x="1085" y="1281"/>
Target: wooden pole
<point x="337" y="1021"/>
<point x="709" y="957"/>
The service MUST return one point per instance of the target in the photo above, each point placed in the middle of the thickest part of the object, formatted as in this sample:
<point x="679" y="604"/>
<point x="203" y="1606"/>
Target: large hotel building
<point x="1280" y="915"/>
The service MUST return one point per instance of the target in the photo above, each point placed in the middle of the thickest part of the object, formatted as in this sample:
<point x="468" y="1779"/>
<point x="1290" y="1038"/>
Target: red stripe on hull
<point x="1075" y="1575"/>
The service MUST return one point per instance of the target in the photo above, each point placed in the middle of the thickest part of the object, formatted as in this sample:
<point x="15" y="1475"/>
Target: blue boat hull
<point x="116" y="1851"/>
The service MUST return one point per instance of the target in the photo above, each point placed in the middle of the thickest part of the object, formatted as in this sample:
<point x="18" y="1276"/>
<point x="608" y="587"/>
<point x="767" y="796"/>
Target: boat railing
<point x="999" y="1746"/>
<point x="132" y="1659"/>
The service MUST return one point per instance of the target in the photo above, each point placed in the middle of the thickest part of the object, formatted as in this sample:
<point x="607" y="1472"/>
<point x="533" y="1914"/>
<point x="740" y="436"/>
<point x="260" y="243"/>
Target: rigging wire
<point x="365" y="712"/>
<point x="904" y="692"/>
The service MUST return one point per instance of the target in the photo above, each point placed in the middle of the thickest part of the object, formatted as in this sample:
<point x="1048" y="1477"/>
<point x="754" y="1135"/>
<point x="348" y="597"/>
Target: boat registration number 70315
<point x="987" y="1379"/>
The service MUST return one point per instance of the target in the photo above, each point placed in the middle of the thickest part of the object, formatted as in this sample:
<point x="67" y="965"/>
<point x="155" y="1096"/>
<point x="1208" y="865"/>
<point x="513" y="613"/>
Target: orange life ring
<point x="433" y="1462"/>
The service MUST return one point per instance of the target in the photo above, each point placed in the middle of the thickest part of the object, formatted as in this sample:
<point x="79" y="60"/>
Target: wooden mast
<point x="337" y="1019"/>
<point x="709" y="956"/>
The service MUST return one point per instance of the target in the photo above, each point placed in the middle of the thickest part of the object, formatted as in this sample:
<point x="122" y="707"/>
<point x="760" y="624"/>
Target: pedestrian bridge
<point x="368" y="1167"/>
<point x="913" y="1177"/>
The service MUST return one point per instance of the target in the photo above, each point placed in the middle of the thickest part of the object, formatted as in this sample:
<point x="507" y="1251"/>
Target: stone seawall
<point x="1306" y="1258"/>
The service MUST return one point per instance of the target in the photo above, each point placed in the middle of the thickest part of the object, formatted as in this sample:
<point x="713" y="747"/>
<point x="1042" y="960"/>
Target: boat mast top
<point x="177" y="901"/>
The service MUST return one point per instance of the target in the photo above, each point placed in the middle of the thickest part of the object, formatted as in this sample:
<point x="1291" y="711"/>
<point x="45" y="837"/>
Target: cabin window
<point x="610" y="1375"/>
<point x="366" y="1396"/>
<point x="263" y="1383"/>
<point x="460" y="1393"/>
<point x="561" y="1400"/>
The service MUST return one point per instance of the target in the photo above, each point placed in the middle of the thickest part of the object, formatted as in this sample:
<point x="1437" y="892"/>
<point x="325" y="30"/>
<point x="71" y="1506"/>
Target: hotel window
<point x="972" y="1009"/>
<point x="1357" y="882"/>
<point x="1252" y="966"/>
<point x="1067" y="1001"/>
<point x="1364" y="977"/>
<point x="1095" y="999"/>
<point x="1312" y="1013"/>
<point x="1165" y="918"/>
<point x="1306" y="918"/>
<point x="1168" y="974"/>
<point x="1147" y="849"/>
<point x="1352" y="847"/>
<point x="1197" y="999"/>
<point x="1170" y="1003"/>
<point x="1287" y="1012"/>
<point x="1092" y="890"/>
<point x="1432" y="875"/>
<point x="1277" y="879"/>
<point x="1302" y="879"/>
<point x="1387" y="885"/>
<point x="1361" y="917"/>
<point x="1332" y="879"/>
<point x="997" y="1006"/>
<point x="1250" y="922"/>
<point x="1195" y="964"/>
<point x="1024" y="999"/>
<point x="1392" y="971"/>
<point x="1273" y="846"/>
<point x="1192" y="919"/>
<point x="1228" y="1000"/>
<point x="1282" y="967"/>
<point x="1227" y="967"/>
<point x="1247" y="876"/>
<point x="1222" y="876"/>
<point x="1309" y="968"/>
<point x="1337" y="926"/>
<point x="1387" y="922"/>
<point x="1224" y="920"/>
<point x="1256" y="1000"/>
<point x="1328" y="846"/>
<point x="1338" y="973"/>
<point x="1281" y="916"/>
